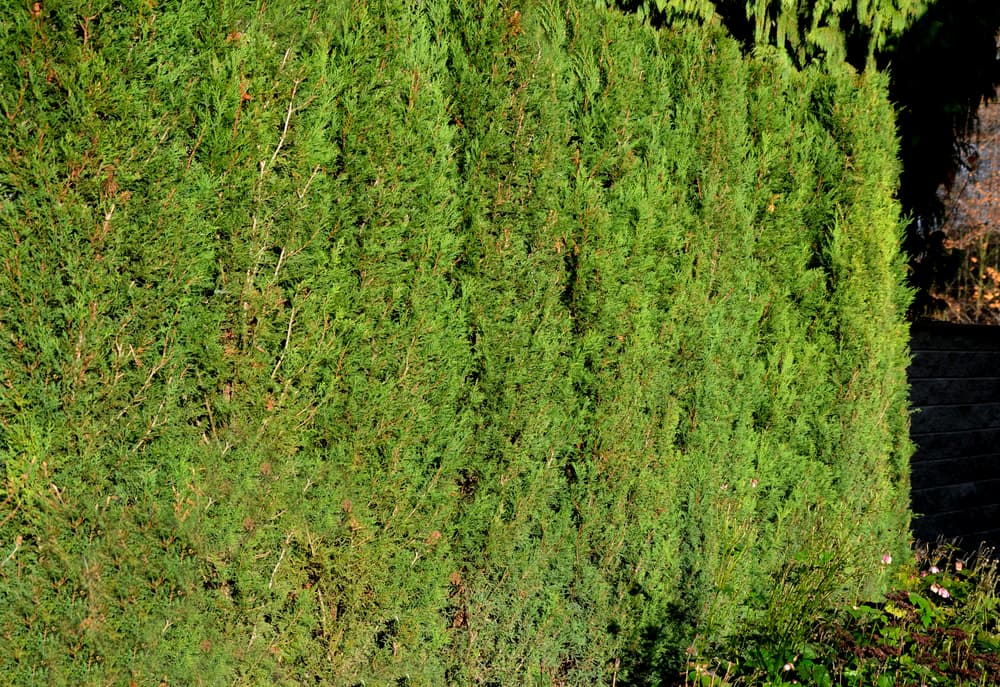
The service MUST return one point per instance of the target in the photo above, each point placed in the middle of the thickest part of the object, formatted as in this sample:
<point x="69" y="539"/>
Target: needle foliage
<point x="428" y="343"/>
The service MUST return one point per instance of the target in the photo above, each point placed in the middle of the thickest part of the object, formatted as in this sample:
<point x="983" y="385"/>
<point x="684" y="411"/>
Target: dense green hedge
<point x="423" y="343"/>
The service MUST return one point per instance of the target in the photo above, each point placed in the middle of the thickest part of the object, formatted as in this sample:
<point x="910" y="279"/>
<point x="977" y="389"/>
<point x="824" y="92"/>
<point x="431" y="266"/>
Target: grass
<point x="940" y="625"/>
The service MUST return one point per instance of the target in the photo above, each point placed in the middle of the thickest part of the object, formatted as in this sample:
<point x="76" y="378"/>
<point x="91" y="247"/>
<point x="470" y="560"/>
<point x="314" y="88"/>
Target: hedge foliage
<point x="432" y="343"/>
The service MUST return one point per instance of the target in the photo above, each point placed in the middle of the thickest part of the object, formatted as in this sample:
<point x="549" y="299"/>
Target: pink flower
<point x="940" y="591"/>
<point x="934" y="570"/>
<point x="958" y="566"/>
<point x="886" y="559"/>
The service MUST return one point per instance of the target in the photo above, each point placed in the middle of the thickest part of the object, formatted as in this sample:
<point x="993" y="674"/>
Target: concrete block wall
<point x="955" y="392"/>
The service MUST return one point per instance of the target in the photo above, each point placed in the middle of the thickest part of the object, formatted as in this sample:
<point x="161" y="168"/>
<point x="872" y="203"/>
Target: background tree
<point x="852" y="30"/>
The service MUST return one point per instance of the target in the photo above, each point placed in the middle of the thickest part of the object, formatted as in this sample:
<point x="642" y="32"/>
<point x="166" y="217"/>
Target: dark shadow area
<point x="955" y="470"/>
<point x="658" y="656"/>
<point x="940" y="70"/>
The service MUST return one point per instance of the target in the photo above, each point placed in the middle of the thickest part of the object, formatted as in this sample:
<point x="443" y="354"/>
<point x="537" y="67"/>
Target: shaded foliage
<point x="851" y="30"/>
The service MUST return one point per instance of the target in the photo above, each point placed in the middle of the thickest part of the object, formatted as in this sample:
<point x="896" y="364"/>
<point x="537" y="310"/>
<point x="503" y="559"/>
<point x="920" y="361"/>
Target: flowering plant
<point x="939" y="625"/>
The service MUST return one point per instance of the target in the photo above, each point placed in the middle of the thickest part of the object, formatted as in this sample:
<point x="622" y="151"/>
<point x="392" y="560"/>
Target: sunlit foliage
<point x="433" y="343"/>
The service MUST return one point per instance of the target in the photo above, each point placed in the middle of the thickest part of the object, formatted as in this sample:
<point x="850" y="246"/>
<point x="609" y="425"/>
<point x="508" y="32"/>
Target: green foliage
<point x="434" y="343"/>
<point x="937" y="626"/>
<point x="824" y="27"/>
<point x="801" y="29"/>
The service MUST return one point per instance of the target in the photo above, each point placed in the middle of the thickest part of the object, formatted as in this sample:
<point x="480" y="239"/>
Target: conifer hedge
<point x="434" y="342"/>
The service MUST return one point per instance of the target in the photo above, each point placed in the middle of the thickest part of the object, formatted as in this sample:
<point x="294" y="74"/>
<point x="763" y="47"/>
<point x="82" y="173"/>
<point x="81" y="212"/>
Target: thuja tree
<point x="830" y="27"/>
<point x="802" y="30"/>
<point x="434" y="343"/>
<point x="726" y="330"/>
